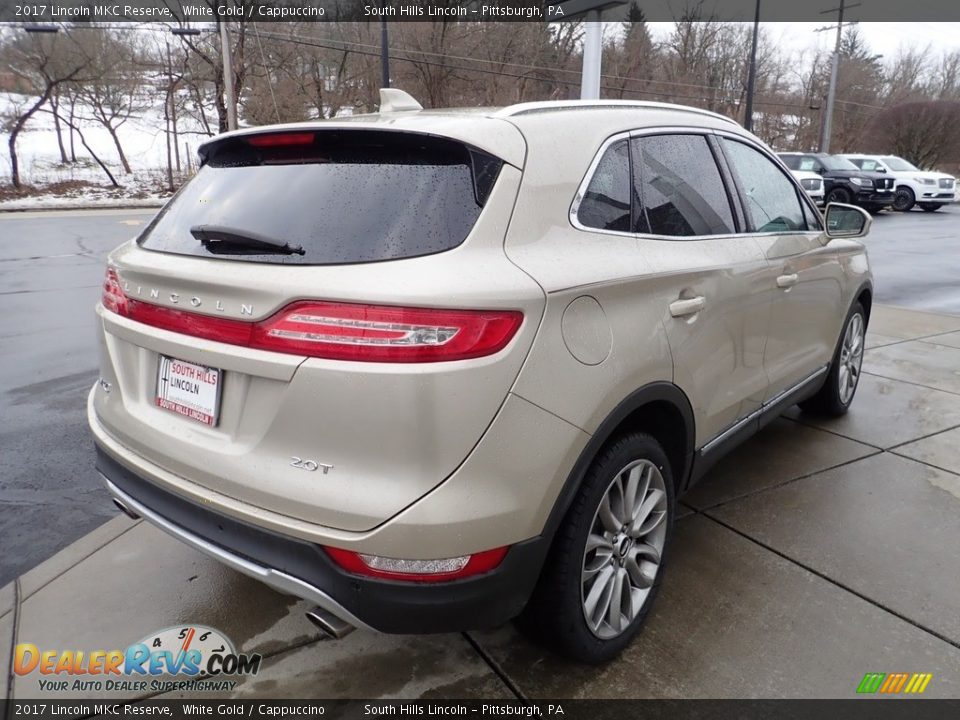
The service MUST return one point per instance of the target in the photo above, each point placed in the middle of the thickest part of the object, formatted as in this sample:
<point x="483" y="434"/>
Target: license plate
<point x="189" y="389"/>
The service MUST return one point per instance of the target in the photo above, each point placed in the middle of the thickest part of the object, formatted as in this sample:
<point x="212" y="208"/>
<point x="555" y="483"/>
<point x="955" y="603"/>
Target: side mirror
<point x="880" y="169"/>
<point x="847" y="221"/>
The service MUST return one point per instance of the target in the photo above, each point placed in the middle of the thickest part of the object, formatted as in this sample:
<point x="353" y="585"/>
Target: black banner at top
<point x="33" y="12"/>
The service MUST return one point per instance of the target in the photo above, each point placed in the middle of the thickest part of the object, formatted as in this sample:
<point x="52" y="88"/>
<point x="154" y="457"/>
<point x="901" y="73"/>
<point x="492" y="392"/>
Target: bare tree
<point x="43" y="63"/>
<point x="207" y="65"/>
<point x="113" y="90"/>
<point x="631" y="60"/>
<point x="55" y="107"/>
<point x="925" y="133"/>
<point x="947" y="83"/>
<point x="277" y="78"/>
<point x="429" y="45"/>
<point x="905" y="75"/>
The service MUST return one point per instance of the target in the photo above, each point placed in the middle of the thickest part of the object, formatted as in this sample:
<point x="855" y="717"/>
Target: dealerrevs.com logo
<point x="191" y="657"/>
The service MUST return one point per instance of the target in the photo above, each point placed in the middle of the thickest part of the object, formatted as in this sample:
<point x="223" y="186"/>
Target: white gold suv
<point x="433" y="370"/>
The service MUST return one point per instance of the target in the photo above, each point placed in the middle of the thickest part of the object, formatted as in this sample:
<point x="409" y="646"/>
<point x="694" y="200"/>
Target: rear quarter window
<point x="606" y="202"/>
<point x="350" y="196"/>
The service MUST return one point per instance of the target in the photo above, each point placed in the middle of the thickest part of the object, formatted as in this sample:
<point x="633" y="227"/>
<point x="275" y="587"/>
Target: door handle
<point x="691" y="306"/>
<point x="787" y="281"/>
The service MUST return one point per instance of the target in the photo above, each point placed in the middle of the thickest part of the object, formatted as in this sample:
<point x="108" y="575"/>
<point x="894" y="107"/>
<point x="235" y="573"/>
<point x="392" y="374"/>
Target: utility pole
<point x="228" y="76"/>
<point x="834" y="71"/>
<point x="592" y="54"/>
<point x="752" y="72"/>
<point x="384" y="55"/>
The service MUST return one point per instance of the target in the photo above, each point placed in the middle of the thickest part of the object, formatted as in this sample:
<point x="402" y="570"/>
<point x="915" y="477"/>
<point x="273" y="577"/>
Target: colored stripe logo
<point x="894" y="683"/>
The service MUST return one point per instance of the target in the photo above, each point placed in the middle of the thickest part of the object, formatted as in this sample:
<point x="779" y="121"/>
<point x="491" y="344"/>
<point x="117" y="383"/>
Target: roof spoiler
<point x="394" y="100"/>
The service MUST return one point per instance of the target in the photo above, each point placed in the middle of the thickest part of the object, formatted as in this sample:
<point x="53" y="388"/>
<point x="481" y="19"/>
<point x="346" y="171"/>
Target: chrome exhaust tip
<point x="329" y="624"/>
<point x="125" y="510"/>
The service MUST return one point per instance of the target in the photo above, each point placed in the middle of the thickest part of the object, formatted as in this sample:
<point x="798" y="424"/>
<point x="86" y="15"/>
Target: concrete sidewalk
<point x="817" y="552"/>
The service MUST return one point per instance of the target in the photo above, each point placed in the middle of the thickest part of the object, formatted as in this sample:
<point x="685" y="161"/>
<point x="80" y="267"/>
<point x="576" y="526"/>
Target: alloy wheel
<point x="624" y="548"/>
<point x="851" y="358"/>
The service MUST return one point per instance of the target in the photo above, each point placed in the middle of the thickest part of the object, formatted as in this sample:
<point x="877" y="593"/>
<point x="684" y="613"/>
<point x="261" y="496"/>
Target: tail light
<point x="113" y="298"/>
<point x="385" y="334"/>
<point x="338" y="331"/>
<point x="455" y="568"/>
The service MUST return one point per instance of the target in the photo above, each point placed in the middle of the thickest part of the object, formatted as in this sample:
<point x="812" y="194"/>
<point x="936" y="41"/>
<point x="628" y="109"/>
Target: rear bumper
<point x="298" y="567"/>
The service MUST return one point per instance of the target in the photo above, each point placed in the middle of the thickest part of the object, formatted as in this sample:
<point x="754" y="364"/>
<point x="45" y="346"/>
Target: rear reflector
<point x="338" y="331"/>
<point x="443" y="570"/>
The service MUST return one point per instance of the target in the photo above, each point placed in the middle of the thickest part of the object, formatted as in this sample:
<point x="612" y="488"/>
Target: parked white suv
<point x="930" y="190"/>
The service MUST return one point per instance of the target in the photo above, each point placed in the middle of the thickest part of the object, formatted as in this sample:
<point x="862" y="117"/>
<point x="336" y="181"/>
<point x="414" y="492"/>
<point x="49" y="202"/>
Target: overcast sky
<point x="884" y="38"/>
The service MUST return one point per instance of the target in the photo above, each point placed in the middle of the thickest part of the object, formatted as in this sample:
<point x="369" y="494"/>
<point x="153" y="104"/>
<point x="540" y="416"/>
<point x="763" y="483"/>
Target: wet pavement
<point x="816" y="552"/>
<point x="915" y="259"/>
<point x="51" y="270"/>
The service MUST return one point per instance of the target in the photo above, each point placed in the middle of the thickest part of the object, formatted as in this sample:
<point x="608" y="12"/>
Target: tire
<point x="904" y="199"/>
<point x="578" y="577"/>
<point x="843" y="377"/>
<point x="839" y="195"/>
<point x="930" y="207"/>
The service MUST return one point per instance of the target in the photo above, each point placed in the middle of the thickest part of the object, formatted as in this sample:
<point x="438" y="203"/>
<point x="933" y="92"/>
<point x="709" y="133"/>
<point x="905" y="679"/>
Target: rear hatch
<point x="321" y="324"/>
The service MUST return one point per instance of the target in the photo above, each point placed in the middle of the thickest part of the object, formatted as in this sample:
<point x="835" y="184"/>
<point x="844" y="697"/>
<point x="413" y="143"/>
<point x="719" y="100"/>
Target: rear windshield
<point x="327" y="197"/>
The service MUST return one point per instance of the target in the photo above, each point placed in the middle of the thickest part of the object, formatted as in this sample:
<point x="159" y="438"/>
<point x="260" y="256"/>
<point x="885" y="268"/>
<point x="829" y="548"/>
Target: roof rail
<point x="532" y="107"/>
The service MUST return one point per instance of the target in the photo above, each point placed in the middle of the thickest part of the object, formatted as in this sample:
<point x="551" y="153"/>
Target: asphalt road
<point x="916" y="259"/>
<point x="51" y="267"/>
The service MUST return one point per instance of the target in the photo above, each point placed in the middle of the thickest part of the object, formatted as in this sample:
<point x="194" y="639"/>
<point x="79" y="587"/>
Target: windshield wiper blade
<point x="210" y="235"/>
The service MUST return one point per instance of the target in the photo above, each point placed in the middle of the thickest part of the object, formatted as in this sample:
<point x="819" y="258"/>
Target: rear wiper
<point x="212" y="235"/>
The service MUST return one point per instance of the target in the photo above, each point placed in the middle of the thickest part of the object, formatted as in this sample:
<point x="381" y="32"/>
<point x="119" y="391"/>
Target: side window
<point x="606" y="203"/>
<point x="680" y="190"/>
<point x="808" y="163"/>
<point x="791" y="161"/>
<point x="771" y="197"/>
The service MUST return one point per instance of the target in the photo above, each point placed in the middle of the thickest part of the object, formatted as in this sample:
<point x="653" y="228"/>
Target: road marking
<point x="130" y="222"/>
